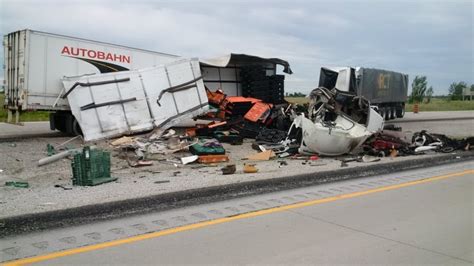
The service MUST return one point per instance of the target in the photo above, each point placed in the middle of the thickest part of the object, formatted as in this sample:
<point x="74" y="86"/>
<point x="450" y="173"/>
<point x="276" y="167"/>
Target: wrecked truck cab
<point x="342" y="137"/>
<point x="338" y="123"/>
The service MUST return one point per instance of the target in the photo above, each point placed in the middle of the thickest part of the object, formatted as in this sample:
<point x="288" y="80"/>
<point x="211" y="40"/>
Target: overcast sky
<point x="432" y="38"/>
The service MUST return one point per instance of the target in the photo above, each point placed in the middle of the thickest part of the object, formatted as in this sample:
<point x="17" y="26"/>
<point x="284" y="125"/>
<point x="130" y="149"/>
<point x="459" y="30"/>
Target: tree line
<point x="421" y="92"/>
<point x="295" y="94"/>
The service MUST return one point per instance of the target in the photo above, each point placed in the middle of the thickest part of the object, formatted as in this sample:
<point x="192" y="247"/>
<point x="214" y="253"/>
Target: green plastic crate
<point x="91" y="167"/>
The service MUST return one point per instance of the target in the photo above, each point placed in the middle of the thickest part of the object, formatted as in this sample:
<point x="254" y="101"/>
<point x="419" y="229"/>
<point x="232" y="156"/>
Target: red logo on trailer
<point x="93" y="57"/>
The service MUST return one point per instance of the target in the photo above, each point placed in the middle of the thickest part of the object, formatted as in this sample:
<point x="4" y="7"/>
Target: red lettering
<point x="76" y="53"/>
<point x="65" y="50"/>
<point x="95" y="54"/>
<point x="83" y="51"/>
<point x="91" y="53"/>
<point x="126" y="59"/>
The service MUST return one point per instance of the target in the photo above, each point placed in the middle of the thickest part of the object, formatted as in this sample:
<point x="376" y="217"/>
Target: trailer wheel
<point x="400" y="111"/>
<point x="76" y="128"/>
<point x="382" y="112"/>
<point x="392" y="112"/>
<point x="386" y="112"/>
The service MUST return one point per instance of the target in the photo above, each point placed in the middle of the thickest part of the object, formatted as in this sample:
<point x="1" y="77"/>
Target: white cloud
<point x="402" y="36"/>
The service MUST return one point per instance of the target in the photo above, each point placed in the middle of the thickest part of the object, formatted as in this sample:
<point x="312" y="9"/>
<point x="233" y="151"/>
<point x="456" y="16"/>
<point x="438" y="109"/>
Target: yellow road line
<point x="225" y="220"/>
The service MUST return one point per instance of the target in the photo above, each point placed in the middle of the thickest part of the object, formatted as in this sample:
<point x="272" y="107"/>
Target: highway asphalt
<point x="422" y="216"/>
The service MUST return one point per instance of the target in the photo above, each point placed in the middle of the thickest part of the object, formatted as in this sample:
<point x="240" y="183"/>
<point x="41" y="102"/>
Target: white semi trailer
<point x="36" y="62"/>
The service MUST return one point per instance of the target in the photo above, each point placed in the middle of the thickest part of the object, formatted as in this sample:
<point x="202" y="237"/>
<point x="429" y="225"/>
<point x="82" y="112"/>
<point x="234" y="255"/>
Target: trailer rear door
<point x="14" y="47"/>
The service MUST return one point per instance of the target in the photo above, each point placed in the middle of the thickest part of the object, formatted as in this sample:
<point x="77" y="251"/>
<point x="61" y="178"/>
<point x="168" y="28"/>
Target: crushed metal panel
<point x="229" y="59"/>
<point x="340" y="139"/>
<point x="223" y="73"/>
<point x="375" y="121"/>
<point x="114" y="104"/>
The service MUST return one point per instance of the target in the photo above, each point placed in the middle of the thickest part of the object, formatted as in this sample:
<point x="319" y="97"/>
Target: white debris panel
<point x="120" y="103"/>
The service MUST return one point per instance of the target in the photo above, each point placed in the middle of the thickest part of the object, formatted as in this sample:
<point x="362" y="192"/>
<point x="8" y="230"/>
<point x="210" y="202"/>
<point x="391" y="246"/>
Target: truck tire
<point x="386" y="113"/>
<point x="76" y="128"/>
<point x="64" y="122"/>
<point x="52" y="122"/>
<point x="382" y="112"/>
<point x="400" y="111"/>
<point x="392" y="112"/>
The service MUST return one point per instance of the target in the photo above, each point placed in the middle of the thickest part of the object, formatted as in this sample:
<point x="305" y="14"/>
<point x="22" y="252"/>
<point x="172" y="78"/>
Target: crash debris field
<point x="50" y="186"/>
<point x="167" y="123"/>
<point x="138" y="141"/>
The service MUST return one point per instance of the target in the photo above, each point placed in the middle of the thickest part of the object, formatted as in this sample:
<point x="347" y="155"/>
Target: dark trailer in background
<point x="385" y="89"/>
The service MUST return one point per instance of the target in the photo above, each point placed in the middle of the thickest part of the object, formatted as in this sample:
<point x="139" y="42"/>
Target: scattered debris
<point x="250" y="168"/>
<point x="267" y="136"/>
<point x="207" y="147"/>
<point x="228" y="169"/>
<point x="262" y="156"/>
<point x="63" y="187"/>
<point x="189" y="159"/>
<point x="69" y="140"/>
<point x="18" y="184"/>
<point x="57" y="157"/>
<point x="91" y="167"/>
<point x="50" y="149"/>
<point x="161" y="181"/>
<point x="122" y="141"/>
<point x="425" y="148"/>
<point x="369" y="159"/>
<point x="443" y="142"/>
<point x="139" y="163"/>
<point x="213" y="158"/>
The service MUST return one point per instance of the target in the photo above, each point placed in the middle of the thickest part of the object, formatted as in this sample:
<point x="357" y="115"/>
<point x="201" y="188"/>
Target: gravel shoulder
<point x="18" y="161"/>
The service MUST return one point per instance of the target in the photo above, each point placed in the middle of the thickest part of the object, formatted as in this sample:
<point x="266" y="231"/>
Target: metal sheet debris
<point x="338" y="123"/>
<point x="119" y="103"/>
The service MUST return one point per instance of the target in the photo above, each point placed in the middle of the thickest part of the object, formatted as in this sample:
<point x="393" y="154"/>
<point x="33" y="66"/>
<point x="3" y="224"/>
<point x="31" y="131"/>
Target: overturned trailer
<point x="224" y="72"/>
<point x="35" y="63"/>
<point x="127" y="102"/>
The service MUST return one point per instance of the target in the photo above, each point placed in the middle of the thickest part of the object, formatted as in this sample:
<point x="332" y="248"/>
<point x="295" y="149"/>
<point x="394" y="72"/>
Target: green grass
<point x="297" y="100"/>
<point x="434" y="105"/>
<point x="25" y="116"/>
<point x="443" y="105"/>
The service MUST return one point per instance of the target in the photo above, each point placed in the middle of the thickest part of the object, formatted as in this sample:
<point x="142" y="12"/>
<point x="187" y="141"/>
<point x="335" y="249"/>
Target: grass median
<point x="436" y="104"/>
<point x="25" y="116"/>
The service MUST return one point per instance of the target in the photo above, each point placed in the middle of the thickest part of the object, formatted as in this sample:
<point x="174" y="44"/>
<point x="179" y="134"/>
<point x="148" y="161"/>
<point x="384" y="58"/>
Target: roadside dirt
<point x="18" y="162"/>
